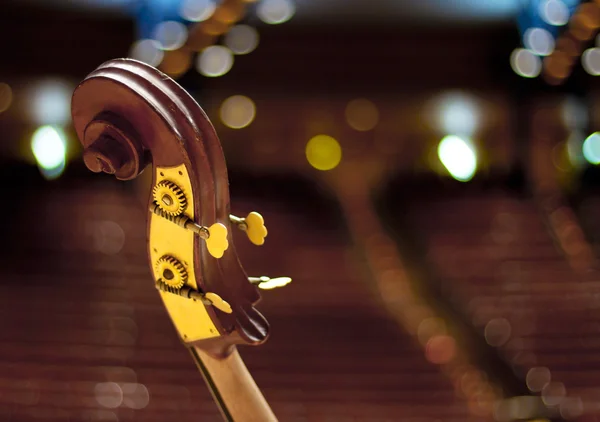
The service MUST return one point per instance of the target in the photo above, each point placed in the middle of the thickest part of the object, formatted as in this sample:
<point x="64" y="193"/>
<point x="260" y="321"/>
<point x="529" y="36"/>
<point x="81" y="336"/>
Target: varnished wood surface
<point x="78" y="313"/>
<point x="233" y="388"/>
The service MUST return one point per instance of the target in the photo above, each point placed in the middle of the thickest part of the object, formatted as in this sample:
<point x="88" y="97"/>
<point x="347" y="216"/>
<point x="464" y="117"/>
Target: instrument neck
<point x="233" y="388"/>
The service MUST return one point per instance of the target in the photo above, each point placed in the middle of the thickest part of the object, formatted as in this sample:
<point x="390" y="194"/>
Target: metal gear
<point x="169" y="197"/>
<point x="171" y="272"/>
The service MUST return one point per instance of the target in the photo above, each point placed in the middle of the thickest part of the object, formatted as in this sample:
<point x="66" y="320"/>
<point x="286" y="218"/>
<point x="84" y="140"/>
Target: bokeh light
<point x="571" y="408"/>
<point x="539" y="41"/>
<point x="440" y="349"/>
<point x="50" y="102"/>
<point x="590" y="59"/>
<point x="537" y="378"/>
<point x="362" y="114"/>
<point x="135" y="396"/>
<point x="49" y="148"/>
<point x="525" y="63"/>
<point x="554" y="12"/>
<point x="229" y="12"/>
<point x="589" y="14"/>
<point x="242" y="39"/>
<point x="197" y="10"/>
<point x="147" y="51"/>
<point x="5" y="97"/>
<point x="275" y="11"/>
<point x="591" y="148"/>
<point x="214" y="61"/>
<point x="323" y="152"/>
<point x="108" y="237"/>
<point x="108" y="394"/>
<point x="171" y="35"/>
<point x="553" y="393"/>
<point x="459" y="157"/>
<point x="497" y="332"/>
<point x="176" y="63"/>
<point x="457" y="113"/>
<point x="237" y="111"/>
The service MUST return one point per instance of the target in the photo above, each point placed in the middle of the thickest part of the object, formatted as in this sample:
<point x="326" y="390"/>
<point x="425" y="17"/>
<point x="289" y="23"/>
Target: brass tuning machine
<point x="209" y="298"/>
<point x="170" y="203"/>
<point x="266" y="283"/>
<point x="253" y="225"/>
<point x="171" y="277"/>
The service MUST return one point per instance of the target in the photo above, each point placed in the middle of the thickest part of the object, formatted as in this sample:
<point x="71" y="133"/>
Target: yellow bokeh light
<point x="237" y="111"/>
<point x="176" y="63"/>
<point x="323" y="152"/>
<point x="362" y="114"/>
<point x="5" y="97"/>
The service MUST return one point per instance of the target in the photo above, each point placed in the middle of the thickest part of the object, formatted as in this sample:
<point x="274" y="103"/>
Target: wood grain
<point x="233" y="387"/>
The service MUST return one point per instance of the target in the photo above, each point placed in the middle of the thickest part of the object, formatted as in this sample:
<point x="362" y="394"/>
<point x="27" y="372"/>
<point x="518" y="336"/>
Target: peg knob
<point x="217" y="242"/>
<point x="253" y="225"/>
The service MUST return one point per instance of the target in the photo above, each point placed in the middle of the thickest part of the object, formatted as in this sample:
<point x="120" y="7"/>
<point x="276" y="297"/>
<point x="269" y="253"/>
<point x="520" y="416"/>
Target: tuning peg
<point x="215" y="236"/>
<point x="216" y="242"/>
<point x="253" y="225"/>
<point x="218" y="302"/>
<point x="209" y="298"/>
<point x="266" y="283"/>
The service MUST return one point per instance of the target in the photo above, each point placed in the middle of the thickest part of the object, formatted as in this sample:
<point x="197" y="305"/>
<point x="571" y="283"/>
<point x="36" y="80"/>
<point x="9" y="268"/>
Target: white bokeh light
<point x="108" y="394"/>
<point x="554" y="12"/>
<point x="591" y="148"/>
<point x="214" y="61"/>
<point x="242" y="39"/>
<point x="49" y="147"/>
<point x="197" y="10"/>
<point x="171" y="35"/>
<point x="525" y="63"/>
<point x="135" y="396"/>
<point x="458" y="113"/>
<point x="275" y="11"/>
<point x="459" y="157"/>
<point x="539" y="41"/>
<point x="147" y="51"/>
<point x="237" y="111"/>
<point x="590" y="59"/>
<point x="50" y="102"/>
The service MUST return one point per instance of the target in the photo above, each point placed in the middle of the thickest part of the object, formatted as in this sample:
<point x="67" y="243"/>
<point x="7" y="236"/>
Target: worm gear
<point x="171" y="272"/>
<point x="169" y="197"/>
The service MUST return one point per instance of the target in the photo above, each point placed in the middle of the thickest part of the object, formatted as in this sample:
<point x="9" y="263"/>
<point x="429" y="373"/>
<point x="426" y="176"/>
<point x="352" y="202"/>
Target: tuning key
<point x="215" y="236"/>
<point x="187" y="292"/>
<point x="266" y="283"/>
<point x="253" y="225"/>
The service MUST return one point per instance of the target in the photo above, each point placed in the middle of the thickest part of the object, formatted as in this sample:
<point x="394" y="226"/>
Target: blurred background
<point x="427" y="171"/>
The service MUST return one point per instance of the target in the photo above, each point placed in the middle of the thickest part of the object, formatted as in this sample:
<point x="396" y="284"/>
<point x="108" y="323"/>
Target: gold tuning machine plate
<point x="254" y="226"/>
<point x="266" y="283"/>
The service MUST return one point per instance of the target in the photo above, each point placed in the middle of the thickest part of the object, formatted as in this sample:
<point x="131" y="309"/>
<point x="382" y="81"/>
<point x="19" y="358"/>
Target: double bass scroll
<point x="129" y="116"/>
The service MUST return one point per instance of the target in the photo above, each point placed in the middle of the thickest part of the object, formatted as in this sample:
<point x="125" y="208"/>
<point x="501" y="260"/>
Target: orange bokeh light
<point x="440" y="349"/>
